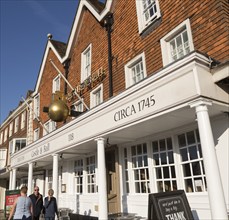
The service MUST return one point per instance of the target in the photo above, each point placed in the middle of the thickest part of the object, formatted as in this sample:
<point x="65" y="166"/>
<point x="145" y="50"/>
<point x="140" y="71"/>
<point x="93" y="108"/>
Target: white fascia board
<point x="49" y="46"/>
<point x="77" y="21"/>
<point x="220" y="73"/>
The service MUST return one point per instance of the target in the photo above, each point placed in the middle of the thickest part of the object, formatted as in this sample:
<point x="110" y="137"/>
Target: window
<point x="17" y="144"/>
<point x="49" y="127"/>
<point x="161" y="162"/>
<point x="192" y="162"/>
<point x="177" y="43"/>
<point x="90" y="173"/>
<point x="79" y="176"/>
<point x="164" y="165"/>
<point x="50" y="179"/>
<point x="126" y="171"/>
<point x="5" y="134"/>
<point x="56" y="84"/>
<point x="2" y="158"/>
<point x="148" y="12"/>
<point x="36" y="106"/>
<point x="16" y="124"/>
<point x="11" y="129"/>
<point x="135" y="70"/>
<point x="1" y="138"/>
<point x="11" y="144"/>
<point x="20" y="144"/>
<point x="140" y="168"/>
<point x="96" y="96"/>
<point x="86" y="63"/>
<point x="36" y="134"/>
<point x="78" y="107"/>
<point x="23" y="116"/>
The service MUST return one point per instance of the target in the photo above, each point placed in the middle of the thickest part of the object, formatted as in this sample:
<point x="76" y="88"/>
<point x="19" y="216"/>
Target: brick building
<point x="149" y="83"/>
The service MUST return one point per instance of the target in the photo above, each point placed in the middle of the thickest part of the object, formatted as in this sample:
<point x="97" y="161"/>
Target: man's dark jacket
<point x="37" y="204"/>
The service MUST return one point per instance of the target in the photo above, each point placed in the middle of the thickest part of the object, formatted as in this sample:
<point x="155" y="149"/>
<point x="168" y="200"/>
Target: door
<point x="113" y="194"/>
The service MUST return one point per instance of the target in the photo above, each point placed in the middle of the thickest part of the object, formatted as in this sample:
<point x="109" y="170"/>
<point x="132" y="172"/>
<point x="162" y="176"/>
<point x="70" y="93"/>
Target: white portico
<point x="158" y="104"/>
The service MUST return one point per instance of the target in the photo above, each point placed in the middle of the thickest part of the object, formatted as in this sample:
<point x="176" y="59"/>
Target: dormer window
<point x="86" y="63"/>
<point x="177" y="43"/>
<point x="56" y="84"/>
<point x="148" y="12"/>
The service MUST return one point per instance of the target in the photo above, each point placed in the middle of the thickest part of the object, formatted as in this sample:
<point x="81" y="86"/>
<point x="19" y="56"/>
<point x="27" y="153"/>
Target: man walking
<point x="37" y="201"/>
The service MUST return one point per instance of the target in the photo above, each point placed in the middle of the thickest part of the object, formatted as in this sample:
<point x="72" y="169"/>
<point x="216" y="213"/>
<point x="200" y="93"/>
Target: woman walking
<point x="22" y="208"/>
<point x="50" y="206"/>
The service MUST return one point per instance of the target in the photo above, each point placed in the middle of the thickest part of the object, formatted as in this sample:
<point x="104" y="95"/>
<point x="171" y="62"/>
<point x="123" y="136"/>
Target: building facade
<point x="149" y="83"/>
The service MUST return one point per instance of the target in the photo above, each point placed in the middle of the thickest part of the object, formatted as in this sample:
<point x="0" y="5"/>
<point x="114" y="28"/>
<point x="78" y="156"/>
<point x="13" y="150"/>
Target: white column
<point x="214" y="185"/>
<point x="30" y="179"/>
<point x="13" y="184"/>
<point x="102" y="181"/>
<point x="55" y="175"/>
<point x="10" y="183"/>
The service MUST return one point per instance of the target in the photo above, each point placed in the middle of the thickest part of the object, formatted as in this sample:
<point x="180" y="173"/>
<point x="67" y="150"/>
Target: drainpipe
<point x="108" y="22"/>
<point x="66" y="68"/>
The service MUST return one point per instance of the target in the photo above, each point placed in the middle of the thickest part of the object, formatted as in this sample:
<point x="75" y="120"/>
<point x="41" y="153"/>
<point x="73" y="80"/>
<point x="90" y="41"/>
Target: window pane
<point x="190" y="137"/>
<point x="166" y="172"/>
<point x="188" y="185"/>
<point x="156" y="159"/>
<point x="163" y="158"/>
<point x="162" y="145"/>
<point x="184" y="154"/>
<point x="192" y="152"/>
<point x="186" y="170"/>
<point x="155" y="146"/>
<point x="196" y="168"/>
<point x="181" y="140"/>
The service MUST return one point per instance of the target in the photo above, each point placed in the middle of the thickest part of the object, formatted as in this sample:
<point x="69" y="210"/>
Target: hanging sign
<point x="169" y="206"/>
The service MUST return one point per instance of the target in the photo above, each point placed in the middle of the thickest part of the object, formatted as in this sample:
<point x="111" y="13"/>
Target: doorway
<point x="112" y="171"/>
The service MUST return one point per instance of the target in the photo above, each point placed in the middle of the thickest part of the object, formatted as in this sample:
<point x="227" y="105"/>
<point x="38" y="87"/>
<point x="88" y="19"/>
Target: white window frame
<point x="23" y="119"/>
<point x="56" y="84"/>
<point x="79" y="171"/>
<point x="165" y="41"/>
<point x="2" y="157"/>
<point x="78" y="106"/>
<point x="1" y="137"/>
<point x="128" y="69"/>
<point x="142" y="23"/>
<point x="3" y="154"/>
<point x="93" y="96"/>
<point x="16" y="124"/>
<point x="36" y="134"/>
<point x="86" y="67"/>
<point x="178" y="164"/>
<point x="5" y="134"/>
<point x="50" y="126"/>
<point x="11" y="129"/>
<point x="164" y="166"/>
<point x="36" y="106"/>
<point x="90" y="175"/>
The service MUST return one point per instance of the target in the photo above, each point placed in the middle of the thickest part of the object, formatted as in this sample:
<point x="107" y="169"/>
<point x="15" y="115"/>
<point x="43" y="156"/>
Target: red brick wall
<point x="209" y="26"/>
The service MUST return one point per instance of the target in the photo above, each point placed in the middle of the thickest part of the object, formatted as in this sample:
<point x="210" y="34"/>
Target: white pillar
<point x="102" y="180"/>
<point x="10" y="183"/>
<point x="13" y="184"/>
<point x="214" y="185"/>
<point x="55" y="175"/>
<point x="30" y="179"/>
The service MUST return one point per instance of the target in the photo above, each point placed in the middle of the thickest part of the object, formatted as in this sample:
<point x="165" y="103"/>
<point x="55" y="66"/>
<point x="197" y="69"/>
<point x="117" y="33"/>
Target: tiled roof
<point x="60" y="47"/>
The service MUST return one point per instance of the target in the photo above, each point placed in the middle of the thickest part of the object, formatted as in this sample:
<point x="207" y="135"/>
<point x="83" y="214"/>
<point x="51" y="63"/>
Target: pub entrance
<point x="112" y="171"/>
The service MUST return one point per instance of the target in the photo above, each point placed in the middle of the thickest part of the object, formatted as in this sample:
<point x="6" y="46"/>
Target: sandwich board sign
<point x="10" y="196"/>
<point x="169" y="206"/>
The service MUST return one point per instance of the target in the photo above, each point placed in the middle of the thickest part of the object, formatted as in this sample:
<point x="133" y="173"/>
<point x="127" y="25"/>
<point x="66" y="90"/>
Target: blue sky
<point x="24" y="28"/>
